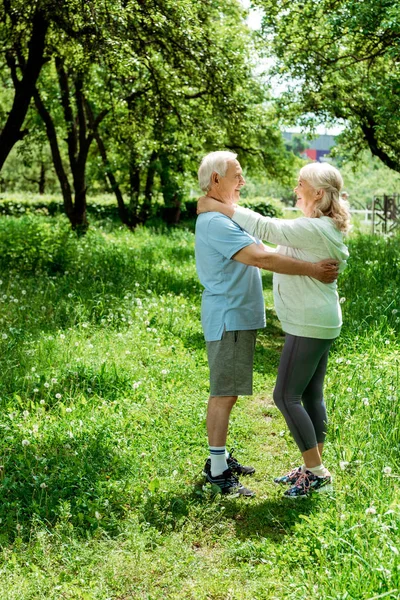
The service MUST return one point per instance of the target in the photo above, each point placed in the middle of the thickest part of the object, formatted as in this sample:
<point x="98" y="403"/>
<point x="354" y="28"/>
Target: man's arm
<point x="255" y="255"/>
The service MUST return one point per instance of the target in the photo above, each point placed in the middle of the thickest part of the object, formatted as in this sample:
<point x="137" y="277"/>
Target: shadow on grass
<point x="79" y="483"/>
<point x="250" y="518"/>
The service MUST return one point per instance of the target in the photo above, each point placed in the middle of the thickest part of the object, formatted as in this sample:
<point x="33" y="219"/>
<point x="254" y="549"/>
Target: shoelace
<point x="303" y="481"/>
<point x="292" y="472"/>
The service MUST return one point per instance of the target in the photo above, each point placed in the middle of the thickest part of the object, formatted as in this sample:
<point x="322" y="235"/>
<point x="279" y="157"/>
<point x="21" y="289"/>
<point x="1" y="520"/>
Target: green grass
<point x="103" y="400"/>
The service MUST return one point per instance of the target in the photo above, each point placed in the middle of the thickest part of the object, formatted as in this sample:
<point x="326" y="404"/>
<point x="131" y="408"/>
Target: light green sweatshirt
<point x="305" y="307"/>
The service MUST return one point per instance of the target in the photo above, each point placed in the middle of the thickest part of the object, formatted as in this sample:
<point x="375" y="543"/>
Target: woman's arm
<point x="295" y="233"/>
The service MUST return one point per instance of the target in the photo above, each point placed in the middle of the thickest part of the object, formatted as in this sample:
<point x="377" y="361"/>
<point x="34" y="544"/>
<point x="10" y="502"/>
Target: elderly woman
<point x="308" y="310"/>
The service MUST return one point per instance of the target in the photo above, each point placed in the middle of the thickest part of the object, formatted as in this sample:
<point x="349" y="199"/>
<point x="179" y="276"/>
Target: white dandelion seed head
<point x="371" y="510"/>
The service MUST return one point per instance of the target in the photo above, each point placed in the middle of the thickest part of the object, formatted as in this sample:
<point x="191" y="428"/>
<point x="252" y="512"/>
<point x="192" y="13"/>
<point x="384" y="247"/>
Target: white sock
<point x="218" y="460"/>
<point x="227" y="455"/>
<point x="320" y="470"/>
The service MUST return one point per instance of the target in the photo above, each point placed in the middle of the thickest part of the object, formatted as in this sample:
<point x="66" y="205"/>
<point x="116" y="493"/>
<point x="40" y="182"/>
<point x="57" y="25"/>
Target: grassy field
<point x="103" y="395"/>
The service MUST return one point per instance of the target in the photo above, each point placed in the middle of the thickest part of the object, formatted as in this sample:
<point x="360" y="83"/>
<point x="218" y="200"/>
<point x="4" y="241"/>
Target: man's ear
<point x="215" y="178"/>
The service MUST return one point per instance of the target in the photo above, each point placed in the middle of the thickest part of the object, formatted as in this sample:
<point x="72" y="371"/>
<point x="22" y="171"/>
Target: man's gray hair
<point x="214" y="162"/>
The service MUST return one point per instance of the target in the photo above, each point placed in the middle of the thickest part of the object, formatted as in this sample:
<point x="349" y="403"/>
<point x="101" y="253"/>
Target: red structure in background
<point x="314" y="154"/>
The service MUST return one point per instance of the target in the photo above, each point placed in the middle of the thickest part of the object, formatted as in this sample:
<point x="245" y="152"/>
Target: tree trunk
<point x="124" y="214"/>
<point x="42" y="179"/>
<point x="145" y="209"/>
<point x="55" y="153"/>
<point x="24" y="89"/>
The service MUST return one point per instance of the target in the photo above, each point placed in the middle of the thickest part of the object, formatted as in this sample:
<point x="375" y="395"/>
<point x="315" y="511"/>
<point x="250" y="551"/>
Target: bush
<point x="268" y="207"/>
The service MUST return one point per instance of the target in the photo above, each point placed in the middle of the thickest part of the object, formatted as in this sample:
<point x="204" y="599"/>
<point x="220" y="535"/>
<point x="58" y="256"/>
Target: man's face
<point x="229" y="185"/>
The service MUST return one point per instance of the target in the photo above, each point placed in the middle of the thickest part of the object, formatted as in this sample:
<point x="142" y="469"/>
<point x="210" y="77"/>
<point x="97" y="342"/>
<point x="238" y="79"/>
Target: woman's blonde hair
<point x="325" y="177"/>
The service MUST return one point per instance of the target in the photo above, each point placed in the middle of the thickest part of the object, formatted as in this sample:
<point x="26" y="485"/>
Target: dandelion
<point x="339" y="360"/>
<point x="97" y="515"/>
<point x="68" y="410"/>
<point x="365" y="401"/>
<point x="58" y="396"/>
<point x="136" y="384"/>
<point x="43" y="486"/>
<point x="371" y="510"/>
<point x="164" y="372"/>
<point x="342" y="300"/>
<point x="35" y="428"/>
<point x="26" y="413"/>
<point x="23" y="292"/>
<point x="387" y="470"/>
<point x="348" y="362"/>
<point x="387" y="342"/>
<point x="46" y="385"/>
<point x="62" y="336"/>
<point x="84" y="325"/>
<point x="35" y="390"/>
<point x="137" y="284"/>
<point x="4" y="336"/>
<point x="25" y="442"/>
<point x="349" y="389"/>
<point x="54" y="380"/>
<point x="343" y="464"/>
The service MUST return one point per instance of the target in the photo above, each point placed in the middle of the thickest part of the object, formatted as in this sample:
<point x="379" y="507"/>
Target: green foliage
<point x="367" y="178"/>
<point x="268" y="207"/>
<point x="339" y="61"/>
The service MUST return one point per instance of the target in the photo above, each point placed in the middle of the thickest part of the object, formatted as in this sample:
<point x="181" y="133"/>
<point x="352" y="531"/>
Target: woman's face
<point x="307" y="196"/>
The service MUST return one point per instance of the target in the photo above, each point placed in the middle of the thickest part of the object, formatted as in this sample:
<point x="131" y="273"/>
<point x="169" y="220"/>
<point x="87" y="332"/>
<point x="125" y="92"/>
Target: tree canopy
<point x="139" y="90"/>
<point x="340" y="60"/>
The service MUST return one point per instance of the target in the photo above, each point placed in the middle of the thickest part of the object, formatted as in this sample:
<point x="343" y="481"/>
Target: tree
<point x="340" y="60"/>
<point x="23" y="27"/>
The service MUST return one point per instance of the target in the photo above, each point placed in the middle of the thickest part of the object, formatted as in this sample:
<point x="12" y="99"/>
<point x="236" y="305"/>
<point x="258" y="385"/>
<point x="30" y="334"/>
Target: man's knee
<point x="226" y="401"/>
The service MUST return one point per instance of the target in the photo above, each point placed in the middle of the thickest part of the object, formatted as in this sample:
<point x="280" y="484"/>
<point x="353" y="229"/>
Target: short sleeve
<point x="226" y="237"/>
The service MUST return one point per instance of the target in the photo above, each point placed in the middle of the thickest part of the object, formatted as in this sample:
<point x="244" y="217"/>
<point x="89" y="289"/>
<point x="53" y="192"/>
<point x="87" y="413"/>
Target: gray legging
<point x="298" y="391"/>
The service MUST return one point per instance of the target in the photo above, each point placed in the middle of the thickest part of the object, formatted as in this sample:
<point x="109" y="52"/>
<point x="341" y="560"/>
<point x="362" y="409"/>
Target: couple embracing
<point x="306" y="262"/>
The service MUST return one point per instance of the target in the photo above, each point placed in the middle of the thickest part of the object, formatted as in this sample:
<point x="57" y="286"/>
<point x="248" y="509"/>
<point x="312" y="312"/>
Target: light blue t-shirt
<point x="232" y="298"/>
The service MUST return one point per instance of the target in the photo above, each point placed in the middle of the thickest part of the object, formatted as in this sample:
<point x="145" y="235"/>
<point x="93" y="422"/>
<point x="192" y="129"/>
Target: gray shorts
<point x="231" y="363"/>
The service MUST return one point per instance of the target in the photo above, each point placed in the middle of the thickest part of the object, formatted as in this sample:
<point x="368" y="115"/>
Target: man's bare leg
<point x="218" y="413"/>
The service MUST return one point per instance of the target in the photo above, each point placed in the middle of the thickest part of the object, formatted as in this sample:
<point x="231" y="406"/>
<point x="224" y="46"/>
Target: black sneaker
<point x="234" y="465"/>
<point x="227" y="482"/>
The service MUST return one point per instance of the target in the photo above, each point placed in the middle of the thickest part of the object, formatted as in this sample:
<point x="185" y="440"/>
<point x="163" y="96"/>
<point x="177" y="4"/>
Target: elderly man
<point x="228" y="261"/>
